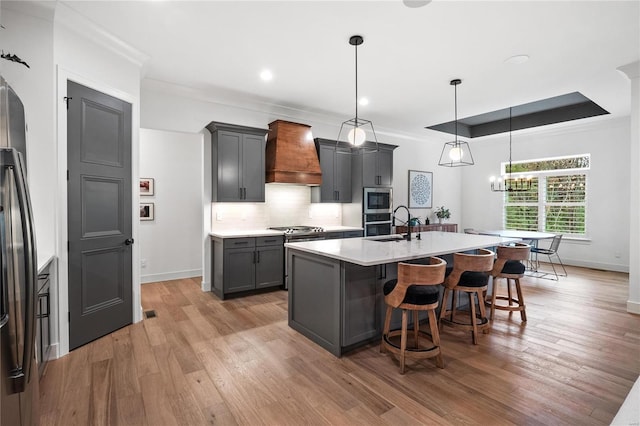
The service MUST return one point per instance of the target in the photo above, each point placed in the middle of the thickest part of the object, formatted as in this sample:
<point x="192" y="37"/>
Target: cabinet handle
<point x="258" y="257"/>
<point x="240" y="193"/>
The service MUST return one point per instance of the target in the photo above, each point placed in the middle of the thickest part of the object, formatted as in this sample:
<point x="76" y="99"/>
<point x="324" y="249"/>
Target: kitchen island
<point x="335" y="286"/>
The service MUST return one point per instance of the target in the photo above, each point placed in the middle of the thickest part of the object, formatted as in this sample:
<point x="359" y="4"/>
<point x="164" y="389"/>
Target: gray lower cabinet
<point x="43" y="321"/>
<point x="238" y="162"/>
<point x="335" y="162"/>
<point x="333" y="235"/>
<point x="244" y="264"/>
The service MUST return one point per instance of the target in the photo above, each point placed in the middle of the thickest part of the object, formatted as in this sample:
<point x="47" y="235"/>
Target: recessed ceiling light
<point x="415" y="3"/>
<point x="364" y="101"/>
<point x="517" y="59"/>
<point x="266" y="75"/>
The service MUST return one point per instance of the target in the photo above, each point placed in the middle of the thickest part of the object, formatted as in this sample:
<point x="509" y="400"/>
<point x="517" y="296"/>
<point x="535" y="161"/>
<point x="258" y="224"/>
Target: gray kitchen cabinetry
<point x="361" y="308"/>
<point x="238" y="162"/>
<point x="43" y="320"/>
<point x="335" y="163"/>
<point x="244" y="264"/>
<point x="333" y="235"/>
<point x="373" y="165"/>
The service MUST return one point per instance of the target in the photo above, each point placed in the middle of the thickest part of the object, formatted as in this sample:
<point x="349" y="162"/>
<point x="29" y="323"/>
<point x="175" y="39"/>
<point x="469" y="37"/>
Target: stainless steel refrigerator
<point x="18" y="275"/>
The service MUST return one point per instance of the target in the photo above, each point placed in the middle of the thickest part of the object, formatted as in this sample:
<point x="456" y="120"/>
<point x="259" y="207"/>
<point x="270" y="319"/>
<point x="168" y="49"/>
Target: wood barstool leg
<point x="416" y="328"/>
<point x="472" y="314"/>
<point x="523" y="314"/>
<point x="483" y="314"/>
<point x="435" y="336"/>
<point x="443" y="308"/>
<point x="403" y="340"/>
<point x="494" y="294"/>
<point x="454" y="304"/>
<point x="510" y="295"/>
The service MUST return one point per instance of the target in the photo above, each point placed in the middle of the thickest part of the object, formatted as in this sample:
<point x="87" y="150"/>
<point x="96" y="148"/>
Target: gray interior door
<point x="99" y="214"/>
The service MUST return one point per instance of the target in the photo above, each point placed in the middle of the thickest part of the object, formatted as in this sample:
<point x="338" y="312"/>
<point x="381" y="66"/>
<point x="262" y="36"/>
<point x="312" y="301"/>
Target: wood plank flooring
<point x="204" y="361"/>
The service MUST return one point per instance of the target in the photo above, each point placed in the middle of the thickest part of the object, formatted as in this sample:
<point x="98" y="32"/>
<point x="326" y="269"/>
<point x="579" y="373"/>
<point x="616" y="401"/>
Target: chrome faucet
<point x="393" y="219"/>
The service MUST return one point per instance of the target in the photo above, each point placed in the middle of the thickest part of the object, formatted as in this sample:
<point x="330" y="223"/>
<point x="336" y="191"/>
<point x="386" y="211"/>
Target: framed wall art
<point x="147" y="186"/>
<point x="147" y="211"/>
<point x="420" y="189"/>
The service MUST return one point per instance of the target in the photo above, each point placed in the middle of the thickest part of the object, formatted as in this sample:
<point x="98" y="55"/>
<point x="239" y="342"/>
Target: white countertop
<point x="241" y="233"/>
<point x="368" y="252"/>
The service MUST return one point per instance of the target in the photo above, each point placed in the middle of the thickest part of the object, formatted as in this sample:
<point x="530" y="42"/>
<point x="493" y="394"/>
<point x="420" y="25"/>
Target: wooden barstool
<point x="470" y="275"/>
<point x="416" y="289"/>
<point x="509" y="265"/>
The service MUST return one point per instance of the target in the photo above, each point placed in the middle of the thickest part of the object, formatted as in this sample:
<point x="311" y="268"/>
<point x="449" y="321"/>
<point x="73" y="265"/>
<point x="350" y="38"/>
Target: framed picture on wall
<point x="147" y="211"/>
<point x="146" y="186"/>
<point x="420" y="189"/>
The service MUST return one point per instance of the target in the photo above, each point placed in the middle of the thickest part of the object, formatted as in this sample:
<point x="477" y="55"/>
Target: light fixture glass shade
<point x="356" y="136"/>
<point x="455" y="154"/>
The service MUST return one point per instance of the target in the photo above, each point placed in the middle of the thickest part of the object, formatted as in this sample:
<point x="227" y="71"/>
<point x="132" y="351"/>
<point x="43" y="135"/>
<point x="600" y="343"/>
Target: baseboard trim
<point x="633" y="307"/>
<point x="596" y="265"/>
<point x="168" y="276"/>
<point x="205" y="285"/>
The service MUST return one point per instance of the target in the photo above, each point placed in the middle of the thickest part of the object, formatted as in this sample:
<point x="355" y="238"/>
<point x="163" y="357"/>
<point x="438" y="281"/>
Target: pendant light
<point x="357" y="135"/>
<point x="510" y="184"/>
<point x="456" y="153"/>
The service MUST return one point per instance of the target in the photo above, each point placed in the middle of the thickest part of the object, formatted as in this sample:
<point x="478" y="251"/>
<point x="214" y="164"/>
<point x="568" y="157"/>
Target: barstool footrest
<point x="435" y="350"/>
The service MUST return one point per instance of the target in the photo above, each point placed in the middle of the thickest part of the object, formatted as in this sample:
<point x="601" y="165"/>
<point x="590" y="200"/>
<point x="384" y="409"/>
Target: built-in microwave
<point x="377" y="200"/>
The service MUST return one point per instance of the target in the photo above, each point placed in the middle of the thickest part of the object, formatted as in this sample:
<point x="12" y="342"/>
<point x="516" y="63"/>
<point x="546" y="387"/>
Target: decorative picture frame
<point x="147" y="187"/>
<point x="420" y="189"/>
<point x="147" y="211"/>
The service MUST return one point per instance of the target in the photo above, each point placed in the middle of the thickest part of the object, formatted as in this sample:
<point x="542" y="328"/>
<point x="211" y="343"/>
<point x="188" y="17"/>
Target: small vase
<point x="440" y="220"/>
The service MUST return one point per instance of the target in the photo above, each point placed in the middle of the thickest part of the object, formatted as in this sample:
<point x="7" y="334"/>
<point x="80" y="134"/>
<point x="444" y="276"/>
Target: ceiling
<point x="408" y="57"/>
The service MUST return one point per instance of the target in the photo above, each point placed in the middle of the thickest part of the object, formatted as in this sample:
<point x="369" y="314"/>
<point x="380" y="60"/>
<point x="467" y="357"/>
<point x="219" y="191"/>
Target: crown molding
<point x="85" y="28"/>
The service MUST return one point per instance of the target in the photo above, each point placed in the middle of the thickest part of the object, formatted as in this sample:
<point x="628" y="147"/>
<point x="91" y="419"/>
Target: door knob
<point x="128" y="241"/>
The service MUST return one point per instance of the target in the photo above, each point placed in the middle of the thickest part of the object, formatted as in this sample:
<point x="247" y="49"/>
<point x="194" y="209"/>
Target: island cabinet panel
<point x="335" y="162"/>
<point x="238" y="162"/>
<point x="361" y="306"/>
<point x="314" y="306"/>
<point x="245" y="264"/>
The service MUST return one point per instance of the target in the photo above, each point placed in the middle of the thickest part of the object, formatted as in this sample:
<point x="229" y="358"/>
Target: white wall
<point x="608" y="142"/>
<point x="170" y="244"/>
<point x="28" y="33"/>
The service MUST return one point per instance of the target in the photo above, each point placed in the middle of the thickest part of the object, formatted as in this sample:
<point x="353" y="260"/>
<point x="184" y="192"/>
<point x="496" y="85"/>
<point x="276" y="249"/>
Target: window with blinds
<point x="557" y="199"/>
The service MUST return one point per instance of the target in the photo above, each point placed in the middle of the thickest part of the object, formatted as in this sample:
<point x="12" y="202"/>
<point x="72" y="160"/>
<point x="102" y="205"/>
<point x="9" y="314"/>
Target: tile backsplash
<point x="284" y="205"/>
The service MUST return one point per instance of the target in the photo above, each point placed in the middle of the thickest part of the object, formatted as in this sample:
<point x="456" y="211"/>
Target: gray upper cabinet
<point x="372" y="166"/>
<point x="335" y="163"/>
<point x="377" y="167"/>
<point x="238" y="162"/>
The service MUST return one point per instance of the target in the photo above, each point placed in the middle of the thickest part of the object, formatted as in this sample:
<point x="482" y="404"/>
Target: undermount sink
<point x="391" y="239"/>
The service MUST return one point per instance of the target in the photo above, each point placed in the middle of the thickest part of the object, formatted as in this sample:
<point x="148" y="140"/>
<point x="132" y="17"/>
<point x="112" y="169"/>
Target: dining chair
<point x="470" y="275"/>
<point x="415" y="290"/>
<point x="549" y="252"/>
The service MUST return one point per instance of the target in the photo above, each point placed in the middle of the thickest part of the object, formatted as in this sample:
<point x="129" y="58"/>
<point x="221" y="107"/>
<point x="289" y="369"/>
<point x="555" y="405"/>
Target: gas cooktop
<point x="298" y="229"/>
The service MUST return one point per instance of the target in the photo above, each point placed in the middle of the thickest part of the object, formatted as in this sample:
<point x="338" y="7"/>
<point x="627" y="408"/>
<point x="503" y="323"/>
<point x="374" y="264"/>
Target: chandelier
<point x="509" y="183"/>
<point x="456" y="153"/>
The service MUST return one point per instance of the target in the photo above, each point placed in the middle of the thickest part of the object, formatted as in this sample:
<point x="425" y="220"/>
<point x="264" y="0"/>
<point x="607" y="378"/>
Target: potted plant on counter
<point x="442" y="213"/>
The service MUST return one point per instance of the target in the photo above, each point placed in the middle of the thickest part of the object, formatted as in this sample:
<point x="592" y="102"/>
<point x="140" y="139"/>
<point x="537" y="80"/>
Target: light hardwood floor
<point x="206" y="361"/>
